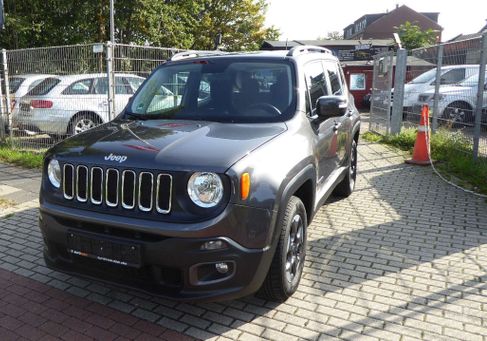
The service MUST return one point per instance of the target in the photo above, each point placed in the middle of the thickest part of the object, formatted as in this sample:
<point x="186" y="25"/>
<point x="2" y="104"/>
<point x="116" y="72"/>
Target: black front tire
<point x="287" y="265"/>
<point x="347" y="185"/>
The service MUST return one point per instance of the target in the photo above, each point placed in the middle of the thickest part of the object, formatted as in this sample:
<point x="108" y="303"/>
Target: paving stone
<point x="402" y="257"/>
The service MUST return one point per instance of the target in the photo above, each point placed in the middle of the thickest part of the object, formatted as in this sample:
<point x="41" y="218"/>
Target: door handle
<point x="337" y="126"/>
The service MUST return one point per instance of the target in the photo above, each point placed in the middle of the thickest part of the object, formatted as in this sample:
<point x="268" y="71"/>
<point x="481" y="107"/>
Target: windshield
<point x="423" y="78"/>
<point x="220" y="90"/>
<point x="15" y="83"/>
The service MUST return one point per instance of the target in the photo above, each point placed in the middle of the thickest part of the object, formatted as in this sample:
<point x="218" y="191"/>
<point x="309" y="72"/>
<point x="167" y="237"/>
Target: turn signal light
<point x="41" y="104"/>
<point x="244" y="186"/>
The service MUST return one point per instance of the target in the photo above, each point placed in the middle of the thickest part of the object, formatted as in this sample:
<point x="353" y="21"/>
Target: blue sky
<point x="309" y="19"/>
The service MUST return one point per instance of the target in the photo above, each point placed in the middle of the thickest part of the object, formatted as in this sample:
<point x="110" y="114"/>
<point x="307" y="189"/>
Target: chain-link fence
<point x="454" y="88"/>
<point x="450" y="78"/>
<point x="52" y="93"/>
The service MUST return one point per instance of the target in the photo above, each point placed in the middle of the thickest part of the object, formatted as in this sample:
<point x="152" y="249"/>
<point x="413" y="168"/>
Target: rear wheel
<point x="83" y="122"/>
<point x="346" y="187"/>
<point x="287" y="265"/>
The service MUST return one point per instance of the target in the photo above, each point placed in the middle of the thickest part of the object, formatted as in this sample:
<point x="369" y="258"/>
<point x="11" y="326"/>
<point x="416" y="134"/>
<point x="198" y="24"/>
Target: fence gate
<point x="380" y="107"/>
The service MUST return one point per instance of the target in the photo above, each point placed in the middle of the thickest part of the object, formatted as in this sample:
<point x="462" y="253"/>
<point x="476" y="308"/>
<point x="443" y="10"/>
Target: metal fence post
<point x="7" y="92"/>
<point x="111" y="81"/>
<point x="2" y="113"/>
<point x="480" y="95"/>
<point x="399" y="80"/>
<point x="436" y="97"/>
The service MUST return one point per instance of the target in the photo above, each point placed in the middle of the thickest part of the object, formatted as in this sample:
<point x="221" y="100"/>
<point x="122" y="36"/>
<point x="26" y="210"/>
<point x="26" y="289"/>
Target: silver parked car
<point x="68" y="105"/>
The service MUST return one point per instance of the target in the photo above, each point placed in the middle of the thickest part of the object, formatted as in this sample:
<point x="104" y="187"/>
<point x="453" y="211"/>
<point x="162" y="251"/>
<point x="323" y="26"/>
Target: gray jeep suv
<point x="204" y="186"/>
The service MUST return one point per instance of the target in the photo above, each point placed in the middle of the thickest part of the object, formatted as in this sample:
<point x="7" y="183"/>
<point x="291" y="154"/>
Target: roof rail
<point x="301" y="49"/>
<point x="195" y="54"/>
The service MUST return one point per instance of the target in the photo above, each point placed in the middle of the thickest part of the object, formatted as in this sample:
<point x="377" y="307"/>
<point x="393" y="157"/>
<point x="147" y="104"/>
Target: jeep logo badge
<point x="116" y="158"/>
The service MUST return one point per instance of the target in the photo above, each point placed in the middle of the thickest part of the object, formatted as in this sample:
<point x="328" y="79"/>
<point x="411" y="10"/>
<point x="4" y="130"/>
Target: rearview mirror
<point x="331" y="106"/>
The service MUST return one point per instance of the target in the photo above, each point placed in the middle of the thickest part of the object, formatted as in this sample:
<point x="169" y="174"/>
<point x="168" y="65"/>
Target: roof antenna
<point x="286" y="43"/>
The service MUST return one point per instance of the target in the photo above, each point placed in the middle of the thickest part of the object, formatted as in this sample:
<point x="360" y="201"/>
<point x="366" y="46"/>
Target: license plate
<point x="105" y="250"/>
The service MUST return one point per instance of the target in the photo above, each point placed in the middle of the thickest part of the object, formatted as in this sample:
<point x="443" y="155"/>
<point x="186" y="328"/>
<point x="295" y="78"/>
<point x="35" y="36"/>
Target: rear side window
<point x="315" y="81"/>
<point x="82" y="87"/>
<point x="44" y="87"/>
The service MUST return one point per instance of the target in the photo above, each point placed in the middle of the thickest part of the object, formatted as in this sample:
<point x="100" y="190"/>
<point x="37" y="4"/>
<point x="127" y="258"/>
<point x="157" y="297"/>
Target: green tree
<point x="333" y="35"/>
<point x="412" y="36"/>
<point x="169" y="23"/>
<point x="241" y="23"/>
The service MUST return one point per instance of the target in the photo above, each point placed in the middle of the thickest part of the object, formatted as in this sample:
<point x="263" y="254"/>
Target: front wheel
<point x="287" y="265"/>
<point x="346" y="187"/>
<point x="458" y="114"/>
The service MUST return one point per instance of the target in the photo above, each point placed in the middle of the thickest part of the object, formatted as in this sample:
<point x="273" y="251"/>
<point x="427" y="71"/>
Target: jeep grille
<point x="127" y="189"/>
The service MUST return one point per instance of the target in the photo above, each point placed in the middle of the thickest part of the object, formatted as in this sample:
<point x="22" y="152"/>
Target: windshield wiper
<point x="133" y="116"/>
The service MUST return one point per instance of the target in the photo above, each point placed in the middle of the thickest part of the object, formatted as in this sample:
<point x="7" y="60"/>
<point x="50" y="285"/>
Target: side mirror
<point x="331" y="106"/>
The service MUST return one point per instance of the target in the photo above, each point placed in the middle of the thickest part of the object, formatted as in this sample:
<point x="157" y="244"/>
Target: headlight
<point x="54" y="173"/>
<point x="205" y="189"/>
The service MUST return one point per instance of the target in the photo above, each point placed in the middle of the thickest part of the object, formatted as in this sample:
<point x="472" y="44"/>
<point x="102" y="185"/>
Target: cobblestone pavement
<point x="35" y="311"/>
<point x="403" y="258"/>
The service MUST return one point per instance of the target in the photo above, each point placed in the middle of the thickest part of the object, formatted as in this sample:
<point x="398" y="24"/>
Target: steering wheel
<point x="266" y="107"/>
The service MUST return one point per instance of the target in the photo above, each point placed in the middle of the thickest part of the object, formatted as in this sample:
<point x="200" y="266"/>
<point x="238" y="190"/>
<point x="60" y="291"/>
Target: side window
<point x="335" y="79"/>
<point x="204" y="90"/>
<point x="453" y="76"/>
<point x="82" y="87"/>
<point x="122" y="87"/>
<point x="101" y="86"/>
<point x="315" y="81"/>
<point x="134" y="82"/>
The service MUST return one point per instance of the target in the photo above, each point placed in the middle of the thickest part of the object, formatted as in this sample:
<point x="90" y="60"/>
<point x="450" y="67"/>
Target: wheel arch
<point x="302" y="185"/>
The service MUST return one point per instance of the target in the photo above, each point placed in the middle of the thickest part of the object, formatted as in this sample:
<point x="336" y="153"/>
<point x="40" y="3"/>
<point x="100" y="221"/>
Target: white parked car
<point x="457" y="102"/>
<point x="451" y="74"/>
<point x="68" y="105"/>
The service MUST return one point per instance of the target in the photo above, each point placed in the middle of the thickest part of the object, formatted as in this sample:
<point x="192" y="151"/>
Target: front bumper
<point x="171" y="266"/>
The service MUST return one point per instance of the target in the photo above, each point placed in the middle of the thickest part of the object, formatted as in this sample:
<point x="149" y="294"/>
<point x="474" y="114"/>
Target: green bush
<point x="21" y="158"/>
<point x="452" y="151"/>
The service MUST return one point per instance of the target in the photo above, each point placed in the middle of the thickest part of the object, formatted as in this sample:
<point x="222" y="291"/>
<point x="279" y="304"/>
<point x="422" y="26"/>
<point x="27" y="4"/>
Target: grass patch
<point x="452" y="151"/>
<point x="21" y="158"/>
<point x="5" y="203"/>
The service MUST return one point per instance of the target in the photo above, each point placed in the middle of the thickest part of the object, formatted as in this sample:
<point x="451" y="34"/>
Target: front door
<point x="326" y="146"/>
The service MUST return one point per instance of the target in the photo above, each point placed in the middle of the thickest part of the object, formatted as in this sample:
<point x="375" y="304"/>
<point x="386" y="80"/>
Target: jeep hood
<point x="167" y="144"/>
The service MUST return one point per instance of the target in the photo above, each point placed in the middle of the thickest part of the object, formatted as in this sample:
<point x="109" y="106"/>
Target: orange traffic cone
<point x="421" y="152"/>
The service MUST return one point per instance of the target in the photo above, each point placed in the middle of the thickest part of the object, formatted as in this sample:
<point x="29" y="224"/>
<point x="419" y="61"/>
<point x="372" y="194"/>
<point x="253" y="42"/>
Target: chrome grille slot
<point x="82" y="183"/>
<point x="111" y="187"/>
<point x="128" y="189"/>
<point x="68" y="181"/>
<point x="96" y="185"/>
<point x="146" y="188"/>
<point x="164" y="193"/>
